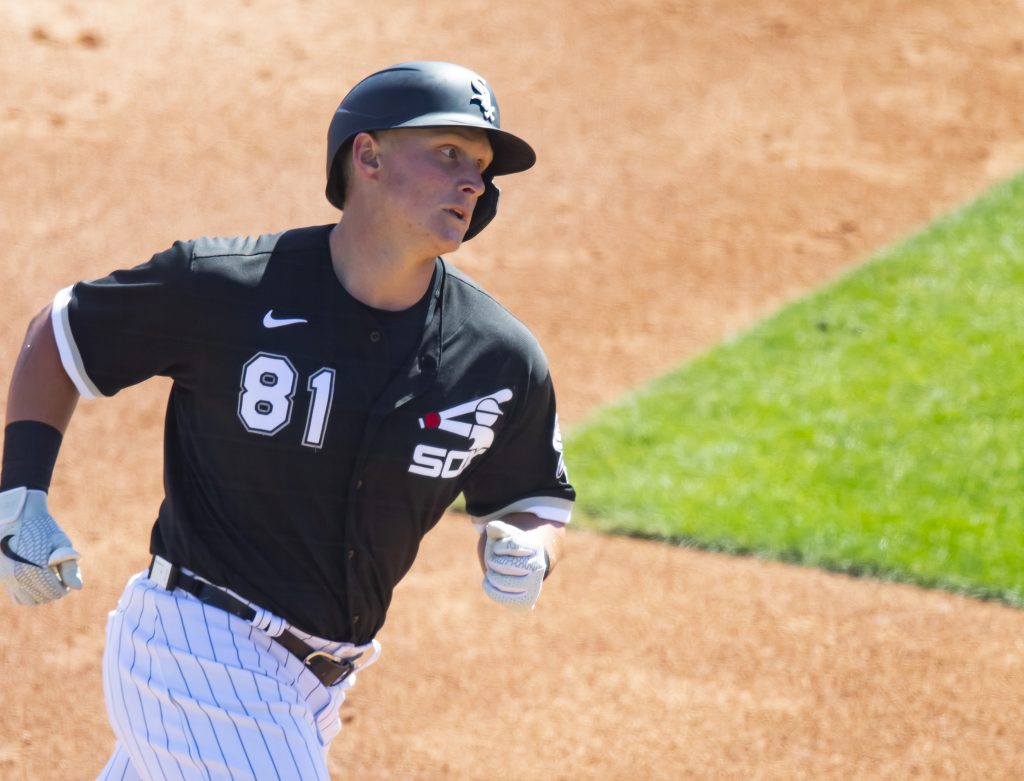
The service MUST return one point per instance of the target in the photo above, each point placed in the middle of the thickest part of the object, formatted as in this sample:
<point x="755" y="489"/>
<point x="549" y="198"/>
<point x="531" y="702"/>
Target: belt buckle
<point x="330" y="669"/>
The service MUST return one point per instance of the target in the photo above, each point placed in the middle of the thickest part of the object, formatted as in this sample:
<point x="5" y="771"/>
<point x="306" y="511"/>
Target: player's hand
<point x="515" y="564"/>
<point x="37" y="562"/>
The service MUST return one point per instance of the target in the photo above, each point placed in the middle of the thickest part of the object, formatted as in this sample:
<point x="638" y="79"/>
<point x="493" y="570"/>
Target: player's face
<point x="431" y="179"/>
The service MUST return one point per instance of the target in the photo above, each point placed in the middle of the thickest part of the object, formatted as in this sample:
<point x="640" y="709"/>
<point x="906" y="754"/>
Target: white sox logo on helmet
<point x="472" y="420"/>
<point x="483" y="97"/>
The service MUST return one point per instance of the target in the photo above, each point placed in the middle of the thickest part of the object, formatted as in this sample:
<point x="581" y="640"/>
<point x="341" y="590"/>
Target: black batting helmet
<point x="427" y="94"/>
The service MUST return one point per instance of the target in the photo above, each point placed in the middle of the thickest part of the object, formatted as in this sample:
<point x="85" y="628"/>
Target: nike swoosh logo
<point x="10" y="553"/>
<point x="269" y="321"/>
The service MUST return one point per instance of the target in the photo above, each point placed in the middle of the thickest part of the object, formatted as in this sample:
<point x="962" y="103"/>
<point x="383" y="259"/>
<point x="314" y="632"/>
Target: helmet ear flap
<point x="335" y="190"/>
<point x="486" y="208"/>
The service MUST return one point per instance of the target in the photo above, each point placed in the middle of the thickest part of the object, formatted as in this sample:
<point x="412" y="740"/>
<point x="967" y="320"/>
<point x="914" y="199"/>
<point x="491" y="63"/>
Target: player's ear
<point x="366" y="154"/>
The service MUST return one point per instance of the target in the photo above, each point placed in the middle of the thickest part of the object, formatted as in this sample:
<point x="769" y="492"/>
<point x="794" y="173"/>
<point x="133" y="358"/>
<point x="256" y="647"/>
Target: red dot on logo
<point x="431" y="420"/>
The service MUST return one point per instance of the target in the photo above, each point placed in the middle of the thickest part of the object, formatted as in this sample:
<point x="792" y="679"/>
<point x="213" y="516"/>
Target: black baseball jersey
<point x="311" y="441"/>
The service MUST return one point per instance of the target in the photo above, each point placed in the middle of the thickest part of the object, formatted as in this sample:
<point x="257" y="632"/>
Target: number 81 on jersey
<point x="268" y="394"/>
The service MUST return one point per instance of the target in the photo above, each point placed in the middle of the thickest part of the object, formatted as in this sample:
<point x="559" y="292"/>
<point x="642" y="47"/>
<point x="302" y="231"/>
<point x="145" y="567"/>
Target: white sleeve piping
<point x="547" y="508"/>
<point x="69" y="355"/>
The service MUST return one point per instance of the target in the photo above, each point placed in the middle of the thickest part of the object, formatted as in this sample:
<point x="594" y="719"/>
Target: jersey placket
<point x="412" y="381"/>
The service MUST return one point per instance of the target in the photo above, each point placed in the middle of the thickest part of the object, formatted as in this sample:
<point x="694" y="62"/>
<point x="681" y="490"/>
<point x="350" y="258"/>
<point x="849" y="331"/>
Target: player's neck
<point x="376" y="274"/>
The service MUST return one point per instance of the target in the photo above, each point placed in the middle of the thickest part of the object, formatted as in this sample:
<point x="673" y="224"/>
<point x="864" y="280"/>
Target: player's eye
<point x="450" y="152"/>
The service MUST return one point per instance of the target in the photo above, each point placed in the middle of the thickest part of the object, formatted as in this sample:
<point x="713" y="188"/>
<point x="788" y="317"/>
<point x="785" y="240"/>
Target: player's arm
<point x="40" y="388"/>
<point x="37" y="562"/>
<point x="517" y="553"/>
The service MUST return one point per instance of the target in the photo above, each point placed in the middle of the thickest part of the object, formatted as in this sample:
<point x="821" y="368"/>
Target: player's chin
<point x="451" y="246"/>
<point x="450" y="236"/>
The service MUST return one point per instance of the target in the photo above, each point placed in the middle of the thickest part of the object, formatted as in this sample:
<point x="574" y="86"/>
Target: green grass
<point x="873" y="427"/>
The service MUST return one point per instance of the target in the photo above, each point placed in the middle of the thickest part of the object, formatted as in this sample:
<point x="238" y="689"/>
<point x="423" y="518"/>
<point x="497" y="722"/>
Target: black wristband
<point x="30" y="453"/>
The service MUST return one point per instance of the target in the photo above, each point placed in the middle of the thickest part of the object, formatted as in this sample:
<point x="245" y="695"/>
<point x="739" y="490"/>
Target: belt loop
<point x="163" y="573"/>
<point x="269" y="623"/>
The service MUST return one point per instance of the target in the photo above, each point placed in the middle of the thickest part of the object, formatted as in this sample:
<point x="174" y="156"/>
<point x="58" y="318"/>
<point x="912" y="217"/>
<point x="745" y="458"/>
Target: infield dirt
<point x="701" y="163"/>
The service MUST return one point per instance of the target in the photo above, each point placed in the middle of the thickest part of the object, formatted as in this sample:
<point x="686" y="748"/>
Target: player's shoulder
<point x="245" y="255"/>
<point x="471" y="311"/>
<point x="470" y="305"/>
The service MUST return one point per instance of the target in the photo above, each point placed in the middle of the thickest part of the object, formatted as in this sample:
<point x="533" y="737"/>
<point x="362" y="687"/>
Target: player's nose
<point x="473" y="182"/>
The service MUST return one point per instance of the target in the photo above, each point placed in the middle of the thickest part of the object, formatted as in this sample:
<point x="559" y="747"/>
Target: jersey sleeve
<point x="524" y="471"/>
<point x="126" y="327"/>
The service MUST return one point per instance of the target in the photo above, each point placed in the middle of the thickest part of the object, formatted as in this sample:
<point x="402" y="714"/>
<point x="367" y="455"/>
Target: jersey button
<point x="351" y="553"/>
<point x="359" y="485"/>
<point x="355" y="620"/>
<point x="375" y="336"/>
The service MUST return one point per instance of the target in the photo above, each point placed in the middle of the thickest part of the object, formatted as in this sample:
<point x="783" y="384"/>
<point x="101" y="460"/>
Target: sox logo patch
<point x="473" y="420"/>
<point x="556" y="442"/>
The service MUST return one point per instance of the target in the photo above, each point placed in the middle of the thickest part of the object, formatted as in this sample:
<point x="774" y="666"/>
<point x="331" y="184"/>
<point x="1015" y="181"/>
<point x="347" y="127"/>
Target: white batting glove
<point x="37" y="562"/>
<point x="515" y="565"/>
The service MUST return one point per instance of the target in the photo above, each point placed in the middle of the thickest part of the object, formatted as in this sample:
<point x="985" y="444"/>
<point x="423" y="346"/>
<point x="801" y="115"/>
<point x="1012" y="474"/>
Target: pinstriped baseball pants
<point x="196" y="694"/>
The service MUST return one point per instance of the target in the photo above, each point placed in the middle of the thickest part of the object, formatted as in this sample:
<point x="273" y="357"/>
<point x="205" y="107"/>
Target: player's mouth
<point x="460" y="214"/>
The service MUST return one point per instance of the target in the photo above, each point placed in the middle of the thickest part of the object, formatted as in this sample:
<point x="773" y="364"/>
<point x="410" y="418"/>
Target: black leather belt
<point x="330" y="669"/>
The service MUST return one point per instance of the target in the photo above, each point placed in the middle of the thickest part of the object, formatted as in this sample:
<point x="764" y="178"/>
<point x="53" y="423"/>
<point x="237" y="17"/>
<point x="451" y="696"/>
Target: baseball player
<point x="335" y="388"/>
